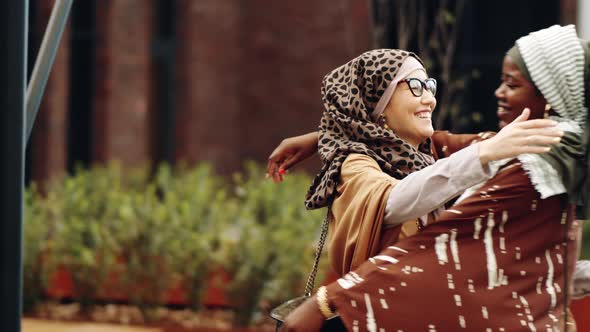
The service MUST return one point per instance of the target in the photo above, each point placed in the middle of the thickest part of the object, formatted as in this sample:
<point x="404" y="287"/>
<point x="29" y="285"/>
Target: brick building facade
<point x="144" y="81"/>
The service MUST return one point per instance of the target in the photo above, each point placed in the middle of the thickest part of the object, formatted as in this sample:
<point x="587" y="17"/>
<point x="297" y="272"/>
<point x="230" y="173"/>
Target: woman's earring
<point x="383" y="121"/>
<point x="547" y="109"/>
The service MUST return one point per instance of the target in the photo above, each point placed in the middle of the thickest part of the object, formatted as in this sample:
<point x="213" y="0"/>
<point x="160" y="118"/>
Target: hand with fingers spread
<point x="291" y="151"/>
<point x="520" y="136"/>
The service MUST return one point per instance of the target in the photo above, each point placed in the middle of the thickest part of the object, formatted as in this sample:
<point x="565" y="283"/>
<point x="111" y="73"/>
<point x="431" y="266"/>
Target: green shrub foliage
<point x="169" y="227"/>
<point x="174" y="227"/>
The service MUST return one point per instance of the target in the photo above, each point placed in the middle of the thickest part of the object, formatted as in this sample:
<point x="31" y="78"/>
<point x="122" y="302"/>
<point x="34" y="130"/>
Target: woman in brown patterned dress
<point x="496" y="260"/>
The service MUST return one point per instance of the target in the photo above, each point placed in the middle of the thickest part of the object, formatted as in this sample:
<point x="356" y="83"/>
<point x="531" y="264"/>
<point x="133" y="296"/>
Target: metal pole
<point x="44" y="62"/>
<point x="13" y="41"/>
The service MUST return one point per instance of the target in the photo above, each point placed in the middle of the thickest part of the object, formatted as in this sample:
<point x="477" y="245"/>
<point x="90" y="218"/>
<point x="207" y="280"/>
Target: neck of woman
<point x="414" y="143"/>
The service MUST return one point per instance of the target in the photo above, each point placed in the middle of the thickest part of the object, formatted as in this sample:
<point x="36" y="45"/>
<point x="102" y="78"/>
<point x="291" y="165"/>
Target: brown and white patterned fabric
<point x="350" y="94"/>
<point x="496" y="261"/>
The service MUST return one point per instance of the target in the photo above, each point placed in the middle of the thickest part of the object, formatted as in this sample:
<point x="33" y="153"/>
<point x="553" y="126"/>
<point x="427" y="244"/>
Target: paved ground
<point x="40" y="325"/>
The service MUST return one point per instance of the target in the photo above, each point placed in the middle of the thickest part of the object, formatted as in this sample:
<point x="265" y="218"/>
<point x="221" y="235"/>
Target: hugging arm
<point x="431" y="187"/>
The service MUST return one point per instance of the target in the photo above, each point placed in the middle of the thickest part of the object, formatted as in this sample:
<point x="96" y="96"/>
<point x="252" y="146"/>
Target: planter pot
<point x="581" y="311"/>
<point x="217" y="282"/>
<point x="61" y="286"/>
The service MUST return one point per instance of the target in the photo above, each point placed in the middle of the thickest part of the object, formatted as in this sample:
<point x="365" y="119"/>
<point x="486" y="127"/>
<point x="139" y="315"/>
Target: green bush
<point x="197" y="209"/>
<point x="172" y="226"/>
<point x="84" y="231"/>
<point x="37" y="214"/>
<point x="175" y="225"/>
<point x="276" y="246"/>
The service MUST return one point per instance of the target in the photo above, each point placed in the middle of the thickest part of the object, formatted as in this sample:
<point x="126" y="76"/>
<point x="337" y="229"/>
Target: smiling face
<point x="408" y="116"/>
<point x="515" y="93"/>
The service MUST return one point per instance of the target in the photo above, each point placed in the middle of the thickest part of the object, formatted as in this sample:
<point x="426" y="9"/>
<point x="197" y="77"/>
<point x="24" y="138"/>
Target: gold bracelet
<point x="322" y="299"/>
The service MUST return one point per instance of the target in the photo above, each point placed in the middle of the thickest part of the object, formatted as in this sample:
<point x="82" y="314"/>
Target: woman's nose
<point x="499" y="92"/>
<point x="427" y="97"/>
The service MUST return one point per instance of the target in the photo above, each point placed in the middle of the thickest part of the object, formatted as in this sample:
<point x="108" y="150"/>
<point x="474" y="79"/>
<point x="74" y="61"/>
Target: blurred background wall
<point x="147" y="81"/>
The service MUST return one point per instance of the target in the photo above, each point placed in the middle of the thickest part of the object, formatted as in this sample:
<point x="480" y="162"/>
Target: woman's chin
<point x="427" y="132"/>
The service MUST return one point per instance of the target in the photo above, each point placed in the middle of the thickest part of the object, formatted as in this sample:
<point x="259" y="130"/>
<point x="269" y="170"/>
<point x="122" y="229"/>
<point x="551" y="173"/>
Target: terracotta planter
<point x="61" y="286"/>
<point x="213" y="295"/>
<point x="581" y="311"/>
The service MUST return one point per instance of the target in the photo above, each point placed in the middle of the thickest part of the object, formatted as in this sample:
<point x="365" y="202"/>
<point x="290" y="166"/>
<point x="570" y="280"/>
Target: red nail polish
<point x="282" y="171"/>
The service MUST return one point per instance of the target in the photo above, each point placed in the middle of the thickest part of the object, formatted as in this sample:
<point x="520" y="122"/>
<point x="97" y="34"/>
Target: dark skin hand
<point x="291" y="151"/>
<point x="306" y="318"/>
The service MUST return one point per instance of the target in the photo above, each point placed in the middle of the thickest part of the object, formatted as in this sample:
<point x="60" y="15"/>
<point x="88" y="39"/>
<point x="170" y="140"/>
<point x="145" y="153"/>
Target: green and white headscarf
<point x="557" y="63"/>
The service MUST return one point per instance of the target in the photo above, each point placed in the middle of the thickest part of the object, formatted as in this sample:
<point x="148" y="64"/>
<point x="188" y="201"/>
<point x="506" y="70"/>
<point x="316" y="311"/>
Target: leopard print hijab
<point x="350" y="94"/>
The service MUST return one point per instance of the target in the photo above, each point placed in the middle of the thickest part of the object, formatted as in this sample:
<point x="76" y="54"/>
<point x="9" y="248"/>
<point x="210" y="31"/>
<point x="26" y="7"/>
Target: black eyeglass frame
<point x="423" y="85"/>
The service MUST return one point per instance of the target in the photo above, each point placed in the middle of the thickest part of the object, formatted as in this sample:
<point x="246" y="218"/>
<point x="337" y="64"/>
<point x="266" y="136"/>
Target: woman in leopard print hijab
<point x="354" y="96"/>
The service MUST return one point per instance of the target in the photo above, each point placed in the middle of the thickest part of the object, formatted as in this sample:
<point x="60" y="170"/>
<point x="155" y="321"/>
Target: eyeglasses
<point x="417" y="86"/>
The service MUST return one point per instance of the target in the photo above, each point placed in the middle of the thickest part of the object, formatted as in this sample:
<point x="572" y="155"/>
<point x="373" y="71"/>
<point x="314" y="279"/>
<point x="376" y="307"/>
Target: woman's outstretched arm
<point x="290" y="152"/>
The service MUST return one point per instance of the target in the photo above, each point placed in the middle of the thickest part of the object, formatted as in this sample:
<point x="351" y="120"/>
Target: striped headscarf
<point x="557" y="63"/>
<point x="554" y="58"/>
